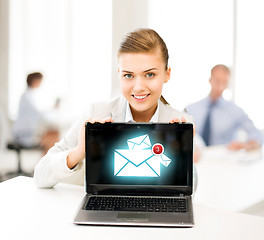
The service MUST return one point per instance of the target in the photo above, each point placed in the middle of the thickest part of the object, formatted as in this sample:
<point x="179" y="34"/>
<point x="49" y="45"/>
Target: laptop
<point x="138" y="174"/>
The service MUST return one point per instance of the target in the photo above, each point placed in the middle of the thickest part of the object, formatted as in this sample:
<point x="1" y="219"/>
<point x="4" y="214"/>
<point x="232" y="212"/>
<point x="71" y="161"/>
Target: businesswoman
<point x="143" y="69"/>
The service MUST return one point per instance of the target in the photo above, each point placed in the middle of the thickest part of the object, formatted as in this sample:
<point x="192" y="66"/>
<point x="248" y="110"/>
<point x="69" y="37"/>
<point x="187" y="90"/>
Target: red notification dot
<point x="157" y="149"/>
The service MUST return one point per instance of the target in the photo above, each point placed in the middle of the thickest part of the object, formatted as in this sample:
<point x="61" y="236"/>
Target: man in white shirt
<point x="33" y="127"/>
<point x="218" y="121"/>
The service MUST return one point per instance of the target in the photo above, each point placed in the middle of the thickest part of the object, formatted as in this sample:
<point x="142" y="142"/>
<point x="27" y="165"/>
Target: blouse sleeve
<point x="52" y="168"/>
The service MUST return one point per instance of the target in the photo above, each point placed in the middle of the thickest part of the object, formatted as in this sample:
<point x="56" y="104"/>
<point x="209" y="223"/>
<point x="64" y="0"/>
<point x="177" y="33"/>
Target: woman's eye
<point x="128" y="76"/>
<point x="150" y="75"/>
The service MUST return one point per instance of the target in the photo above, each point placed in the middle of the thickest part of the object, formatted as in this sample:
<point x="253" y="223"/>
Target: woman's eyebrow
<point x="126" y="71"/>
<point x="151" y="69"/>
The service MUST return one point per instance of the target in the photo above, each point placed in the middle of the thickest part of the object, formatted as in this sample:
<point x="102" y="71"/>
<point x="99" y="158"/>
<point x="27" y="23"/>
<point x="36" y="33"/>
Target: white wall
<point x="250" y="52"/>
<point x="70" y="43"/>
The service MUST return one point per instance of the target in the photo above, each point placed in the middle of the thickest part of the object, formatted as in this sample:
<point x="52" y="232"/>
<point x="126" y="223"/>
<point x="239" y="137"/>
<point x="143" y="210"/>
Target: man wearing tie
<point x="218" y="121"/>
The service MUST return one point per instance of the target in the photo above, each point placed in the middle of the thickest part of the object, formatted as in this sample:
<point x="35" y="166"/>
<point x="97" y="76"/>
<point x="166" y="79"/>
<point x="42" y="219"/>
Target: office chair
<point x="14" y="146"/>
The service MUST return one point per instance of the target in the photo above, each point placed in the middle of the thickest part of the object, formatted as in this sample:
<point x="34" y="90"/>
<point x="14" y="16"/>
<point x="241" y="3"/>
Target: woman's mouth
<point x="140" y="98"/>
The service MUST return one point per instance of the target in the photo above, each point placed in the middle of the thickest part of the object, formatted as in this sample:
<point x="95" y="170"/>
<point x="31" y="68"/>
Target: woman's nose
<point x="139" y="85"/>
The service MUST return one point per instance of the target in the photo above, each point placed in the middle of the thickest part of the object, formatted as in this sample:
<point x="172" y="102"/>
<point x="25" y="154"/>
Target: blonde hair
<point x="145" y="40"/>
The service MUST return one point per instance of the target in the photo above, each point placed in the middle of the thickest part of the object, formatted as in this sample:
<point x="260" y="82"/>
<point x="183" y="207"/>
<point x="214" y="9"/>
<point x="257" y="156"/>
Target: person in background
<point x="34" y="127"/>
<point x="218" y="121"/>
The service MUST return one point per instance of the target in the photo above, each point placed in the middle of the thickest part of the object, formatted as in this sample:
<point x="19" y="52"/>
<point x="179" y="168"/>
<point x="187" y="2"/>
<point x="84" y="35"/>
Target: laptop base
<point x="145" y="219"/>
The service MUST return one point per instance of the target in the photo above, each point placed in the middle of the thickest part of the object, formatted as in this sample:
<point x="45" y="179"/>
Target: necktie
<point x="207" y="126"/>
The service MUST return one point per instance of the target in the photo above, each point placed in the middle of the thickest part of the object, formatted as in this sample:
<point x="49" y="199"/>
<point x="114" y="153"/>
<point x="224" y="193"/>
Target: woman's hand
<point x="196" y="153"/>
<point x="183" y="120"/>
<point x="177" y="120"/>
<point x="77" y="154"/>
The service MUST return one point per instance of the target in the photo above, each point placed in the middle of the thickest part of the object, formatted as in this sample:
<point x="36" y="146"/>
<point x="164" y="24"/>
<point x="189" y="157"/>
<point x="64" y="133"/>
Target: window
<point x="69" y="42"/>
<point x="250" y="52"/>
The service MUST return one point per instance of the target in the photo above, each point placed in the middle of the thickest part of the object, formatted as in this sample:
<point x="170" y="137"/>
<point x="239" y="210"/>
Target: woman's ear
<point x="168" y="74"/>
<point x="118" y="70"/>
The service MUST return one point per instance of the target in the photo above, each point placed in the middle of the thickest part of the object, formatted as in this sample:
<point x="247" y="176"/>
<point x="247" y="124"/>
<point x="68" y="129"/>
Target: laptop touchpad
<point x="132" y="217"/>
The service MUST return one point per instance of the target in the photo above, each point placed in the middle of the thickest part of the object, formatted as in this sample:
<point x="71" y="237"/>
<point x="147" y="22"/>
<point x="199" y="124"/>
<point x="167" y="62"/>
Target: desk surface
<point x="31" y="213"/>
<point x="230" y="180"/>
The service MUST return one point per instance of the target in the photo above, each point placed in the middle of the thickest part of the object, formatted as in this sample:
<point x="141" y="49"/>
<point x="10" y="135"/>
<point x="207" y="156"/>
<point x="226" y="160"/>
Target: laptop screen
<point x="139" y="158"/>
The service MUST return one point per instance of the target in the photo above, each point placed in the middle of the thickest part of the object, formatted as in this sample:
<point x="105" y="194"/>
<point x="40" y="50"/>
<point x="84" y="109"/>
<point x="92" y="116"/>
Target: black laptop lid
<point x="139" y="158"/>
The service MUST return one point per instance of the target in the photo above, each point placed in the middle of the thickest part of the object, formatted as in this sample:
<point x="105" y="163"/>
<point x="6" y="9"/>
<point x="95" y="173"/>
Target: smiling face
<point x="142" y="77"/>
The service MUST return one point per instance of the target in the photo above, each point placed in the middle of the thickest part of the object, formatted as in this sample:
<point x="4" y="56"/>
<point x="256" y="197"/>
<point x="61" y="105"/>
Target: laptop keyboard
<point x="141" y="204"/>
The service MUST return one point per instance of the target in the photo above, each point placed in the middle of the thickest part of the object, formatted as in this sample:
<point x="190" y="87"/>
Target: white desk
<point x="30" y="213"/>
<point x="229" y="180"/>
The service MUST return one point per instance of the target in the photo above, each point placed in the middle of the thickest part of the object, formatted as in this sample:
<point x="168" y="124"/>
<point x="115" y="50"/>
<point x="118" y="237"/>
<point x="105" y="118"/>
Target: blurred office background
<point x="74" y="44"/>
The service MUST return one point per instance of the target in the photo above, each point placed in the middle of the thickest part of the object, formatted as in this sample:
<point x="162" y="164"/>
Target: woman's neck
<point x="143" y="116"/>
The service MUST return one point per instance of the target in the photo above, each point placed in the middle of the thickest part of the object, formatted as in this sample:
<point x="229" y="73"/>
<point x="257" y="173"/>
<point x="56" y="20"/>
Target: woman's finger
<point x="94" y="120"/>
<point x="108" y="119"/>
<point x="175" y="120"/>
<point x="183" y="119"/>
<point x="194" y="130"/>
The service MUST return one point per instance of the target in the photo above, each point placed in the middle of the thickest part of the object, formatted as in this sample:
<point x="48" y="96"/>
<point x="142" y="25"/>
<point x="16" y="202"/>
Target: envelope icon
<point x="138" y="160"/>
<point x="141" y="142"/>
